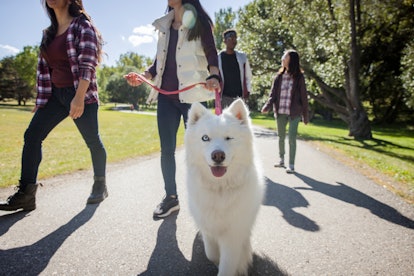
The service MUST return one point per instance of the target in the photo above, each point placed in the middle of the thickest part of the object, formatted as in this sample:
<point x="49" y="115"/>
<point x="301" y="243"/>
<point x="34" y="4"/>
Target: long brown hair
<point x="294" y="64"/>
<point x="76" y="9"/>
<point x="203" y="20"/>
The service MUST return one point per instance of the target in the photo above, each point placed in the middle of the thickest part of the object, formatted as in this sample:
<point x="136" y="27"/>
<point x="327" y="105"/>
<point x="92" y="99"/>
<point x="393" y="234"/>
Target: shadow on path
<point x="167" y="258"/>
<point x="350" y="195"/>
<point x="33" y="259"/>
<point x="286" y="199"/>
<point x="8" y="220"/>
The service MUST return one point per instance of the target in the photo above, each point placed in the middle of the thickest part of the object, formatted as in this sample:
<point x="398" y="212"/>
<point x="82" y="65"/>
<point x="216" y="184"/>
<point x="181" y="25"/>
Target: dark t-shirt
<point x="169" y="78"/>
<point x="58" y="61"/>
<point x="231" y="74"/>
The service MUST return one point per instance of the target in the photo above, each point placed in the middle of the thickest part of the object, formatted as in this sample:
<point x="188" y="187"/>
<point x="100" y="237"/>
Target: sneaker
<point x="291" y="169"/>
<point x="281" y="164"/>
<point x="168" y="205"/>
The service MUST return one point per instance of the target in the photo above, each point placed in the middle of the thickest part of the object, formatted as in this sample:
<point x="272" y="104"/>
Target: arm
<point x="149" y="74"/>
<point x="77" y="105"/>
<point x="272" y="97"/>
<point x="207" y="40"/>
<point x="87" y="53"/>
<point x="304" y="100"/>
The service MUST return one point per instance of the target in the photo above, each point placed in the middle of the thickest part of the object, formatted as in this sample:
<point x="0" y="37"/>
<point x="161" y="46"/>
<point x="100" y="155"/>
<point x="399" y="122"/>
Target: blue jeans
<point x="282" y="120"/>
<point x="169" y="112"/>
<point x="46" y="118"/>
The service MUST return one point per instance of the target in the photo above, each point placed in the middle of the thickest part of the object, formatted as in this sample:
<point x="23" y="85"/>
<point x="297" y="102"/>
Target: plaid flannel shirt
<point x="285" y="94"/>
<point x="82" y="50"/>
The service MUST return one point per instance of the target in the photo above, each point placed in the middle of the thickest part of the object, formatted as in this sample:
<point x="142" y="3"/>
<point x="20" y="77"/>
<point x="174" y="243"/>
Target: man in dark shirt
<point x="235" y="71"/>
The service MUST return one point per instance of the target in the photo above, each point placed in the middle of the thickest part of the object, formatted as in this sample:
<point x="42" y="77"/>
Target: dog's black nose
<point x="218" y="156"/>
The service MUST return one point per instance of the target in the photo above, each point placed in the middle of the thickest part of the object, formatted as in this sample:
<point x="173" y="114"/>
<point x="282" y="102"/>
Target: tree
<point x="120" y="91"/>
<point x="113" y="86"/>
<point x="133" y="60"/>
<point x="330" y="36"/>
<point x="407" y="68"/>
<point x="25" y="63"/>
<point x="7" y="73"/>
<point x="225" y="19"/>
<point x="12" y="86"/>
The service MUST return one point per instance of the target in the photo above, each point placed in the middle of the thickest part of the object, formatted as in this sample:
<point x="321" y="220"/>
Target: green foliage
<point x="114" y="88"/>
<point x="407" y="69"/>
<point x="120" y="91"/>
<point x="339" y="77"/>
<point x="18" y="75"/>
<point x="225" y="19"/>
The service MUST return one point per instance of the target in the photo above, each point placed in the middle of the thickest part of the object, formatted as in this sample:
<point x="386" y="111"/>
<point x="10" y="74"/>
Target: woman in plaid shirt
<point x="66" y="86"/>
<point x="290" y="104"/>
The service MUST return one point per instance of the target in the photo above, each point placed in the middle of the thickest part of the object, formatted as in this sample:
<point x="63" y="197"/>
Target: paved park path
<point x="327" y="219"/>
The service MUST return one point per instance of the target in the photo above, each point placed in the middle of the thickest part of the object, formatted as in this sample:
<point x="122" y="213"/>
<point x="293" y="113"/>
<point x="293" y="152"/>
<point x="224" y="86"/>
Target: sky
<point x="125" y="24"/>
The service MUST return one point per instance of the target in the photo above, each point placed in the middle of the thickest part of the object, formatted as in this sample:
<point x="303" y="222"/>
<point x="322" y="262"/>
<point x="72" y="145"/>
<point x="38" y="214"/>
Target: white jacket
<point x="245" y="72"/>
<point x="191" y="62"/>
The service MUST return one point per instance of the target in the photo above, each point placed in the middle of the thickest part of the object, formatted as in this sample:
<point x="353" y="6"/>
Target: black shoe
<point x="168" y="205"/>
<point x="24" y="198"/>
<point x="99" y="190"/>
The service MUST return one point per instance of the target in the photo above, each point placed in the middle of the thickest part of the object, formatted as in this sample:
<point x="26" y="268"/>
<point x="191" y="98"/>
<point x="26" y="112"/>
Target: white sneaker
<point x="291" y="169"/>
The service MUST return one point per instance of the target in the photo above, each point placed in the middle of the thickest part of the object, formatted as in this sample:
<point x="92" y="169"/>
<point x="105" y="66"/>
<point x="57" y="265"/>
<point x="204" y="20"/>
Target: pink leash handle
<point x="217" y="103"/>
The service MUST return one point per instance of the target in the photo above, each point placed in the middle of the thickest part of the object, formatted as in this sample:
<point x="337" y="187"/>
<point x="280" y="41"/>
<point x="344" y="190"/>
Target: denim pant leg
<point x="281" y="120"/>
<point x="293" y="131"/>
<point x="42" y="123"/>
<point x="87" y="125"/>
<point x="169" y="112"/>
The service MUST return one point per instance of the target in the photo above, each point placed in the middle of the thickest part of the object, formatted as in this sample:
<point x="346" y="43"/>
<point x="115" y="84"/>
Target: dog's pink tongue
<point x="218" y="171"/>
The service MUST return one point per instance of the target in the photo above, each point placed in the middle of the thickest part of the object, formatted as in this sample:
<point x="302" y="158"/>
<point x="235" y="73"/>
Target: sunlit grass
<point x="124" y="134"/>
<point x="391" y="152"/>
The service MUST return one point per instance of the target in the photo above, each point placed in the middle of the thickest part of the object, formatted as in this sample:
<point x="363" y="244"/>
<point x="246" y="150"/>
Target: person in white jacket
<point x="235" y="71"/>
<point x="186" y="54"/>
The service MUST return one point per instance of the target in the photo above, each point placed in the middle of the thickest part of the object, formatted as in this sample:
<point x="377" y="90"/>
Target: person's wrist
<point x="214" y="76"/>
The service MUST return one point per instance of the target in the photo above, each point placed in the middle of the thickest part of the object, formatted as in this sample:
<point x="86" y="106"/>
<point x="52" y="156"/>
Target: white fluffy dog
<point x="225" y="187"/>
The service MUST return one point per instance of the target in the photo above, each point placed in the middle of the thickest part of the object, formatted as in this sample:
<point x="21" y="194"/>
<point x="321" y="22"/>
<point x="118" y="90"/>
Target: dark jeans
<point x="46" y="118"/>
<point x="169" y="112"/>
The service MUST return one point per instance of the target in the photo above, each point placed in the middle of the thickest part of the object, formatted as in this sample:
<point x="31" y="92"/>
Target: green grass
<point x="124" y="134"/>
<point x="389" y="153"/>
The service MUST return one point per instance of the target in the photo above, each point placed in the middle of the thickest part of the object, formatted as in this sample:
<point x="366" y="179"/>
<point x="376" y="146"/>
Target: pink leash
<point x="218" y="109"/>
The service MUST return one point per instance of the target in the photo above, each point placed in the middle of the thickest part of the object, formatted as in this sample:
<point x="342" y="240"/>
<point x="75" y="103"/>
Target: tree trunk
<point x="359" y="126"/>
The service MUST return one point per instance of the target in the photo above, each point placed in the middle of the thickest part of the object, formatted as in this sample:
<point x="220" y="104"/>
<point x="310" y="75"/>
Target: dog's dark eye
<point x="205" y="138"/>
<point x="229" y="138"/>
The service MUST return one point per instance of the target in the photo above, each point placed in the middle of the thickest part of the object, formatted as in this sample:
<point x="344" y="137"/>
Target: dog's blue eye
<point x="205" y="138"/>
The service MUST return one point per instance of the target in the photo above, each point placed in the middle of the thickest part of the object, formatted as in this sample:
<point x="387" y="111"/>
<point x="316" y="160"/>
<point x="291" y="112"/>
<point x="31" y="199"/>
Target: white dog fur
<point x="225" y="185"/>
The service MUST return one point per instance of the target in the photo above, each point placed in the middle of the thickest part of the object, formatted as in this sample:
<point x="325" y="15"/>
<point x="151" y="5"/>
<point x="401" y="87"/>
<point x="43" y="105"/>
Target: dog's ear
<point x="239" y="110"/>
<point x="196" y="111"/>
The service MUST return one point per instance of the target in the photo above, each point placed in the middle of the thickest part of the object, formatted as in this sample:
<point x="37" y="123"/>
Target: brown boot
<point x="24" y="198"/>
<point x="99" y="191"/>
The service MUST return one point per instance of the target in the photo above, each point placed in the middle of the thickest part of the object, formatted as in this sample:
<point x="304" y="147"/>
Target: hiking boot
<point x="99" y="190"/>
<point x="168" y="205"/>
<point x="24" y="198"/>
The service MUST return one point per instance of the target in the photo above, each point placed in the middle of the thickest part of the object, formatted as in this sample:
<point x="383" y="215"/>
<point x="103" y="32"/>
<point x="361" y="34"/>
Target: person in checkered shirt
<point x="289" y="99"/>
<point x="66" y="86"/>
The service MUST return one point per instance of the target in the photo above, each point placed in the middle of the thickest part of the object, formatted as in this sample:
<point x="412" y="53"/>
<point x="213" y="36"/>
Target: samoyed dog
<point x="225" y="187"/>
